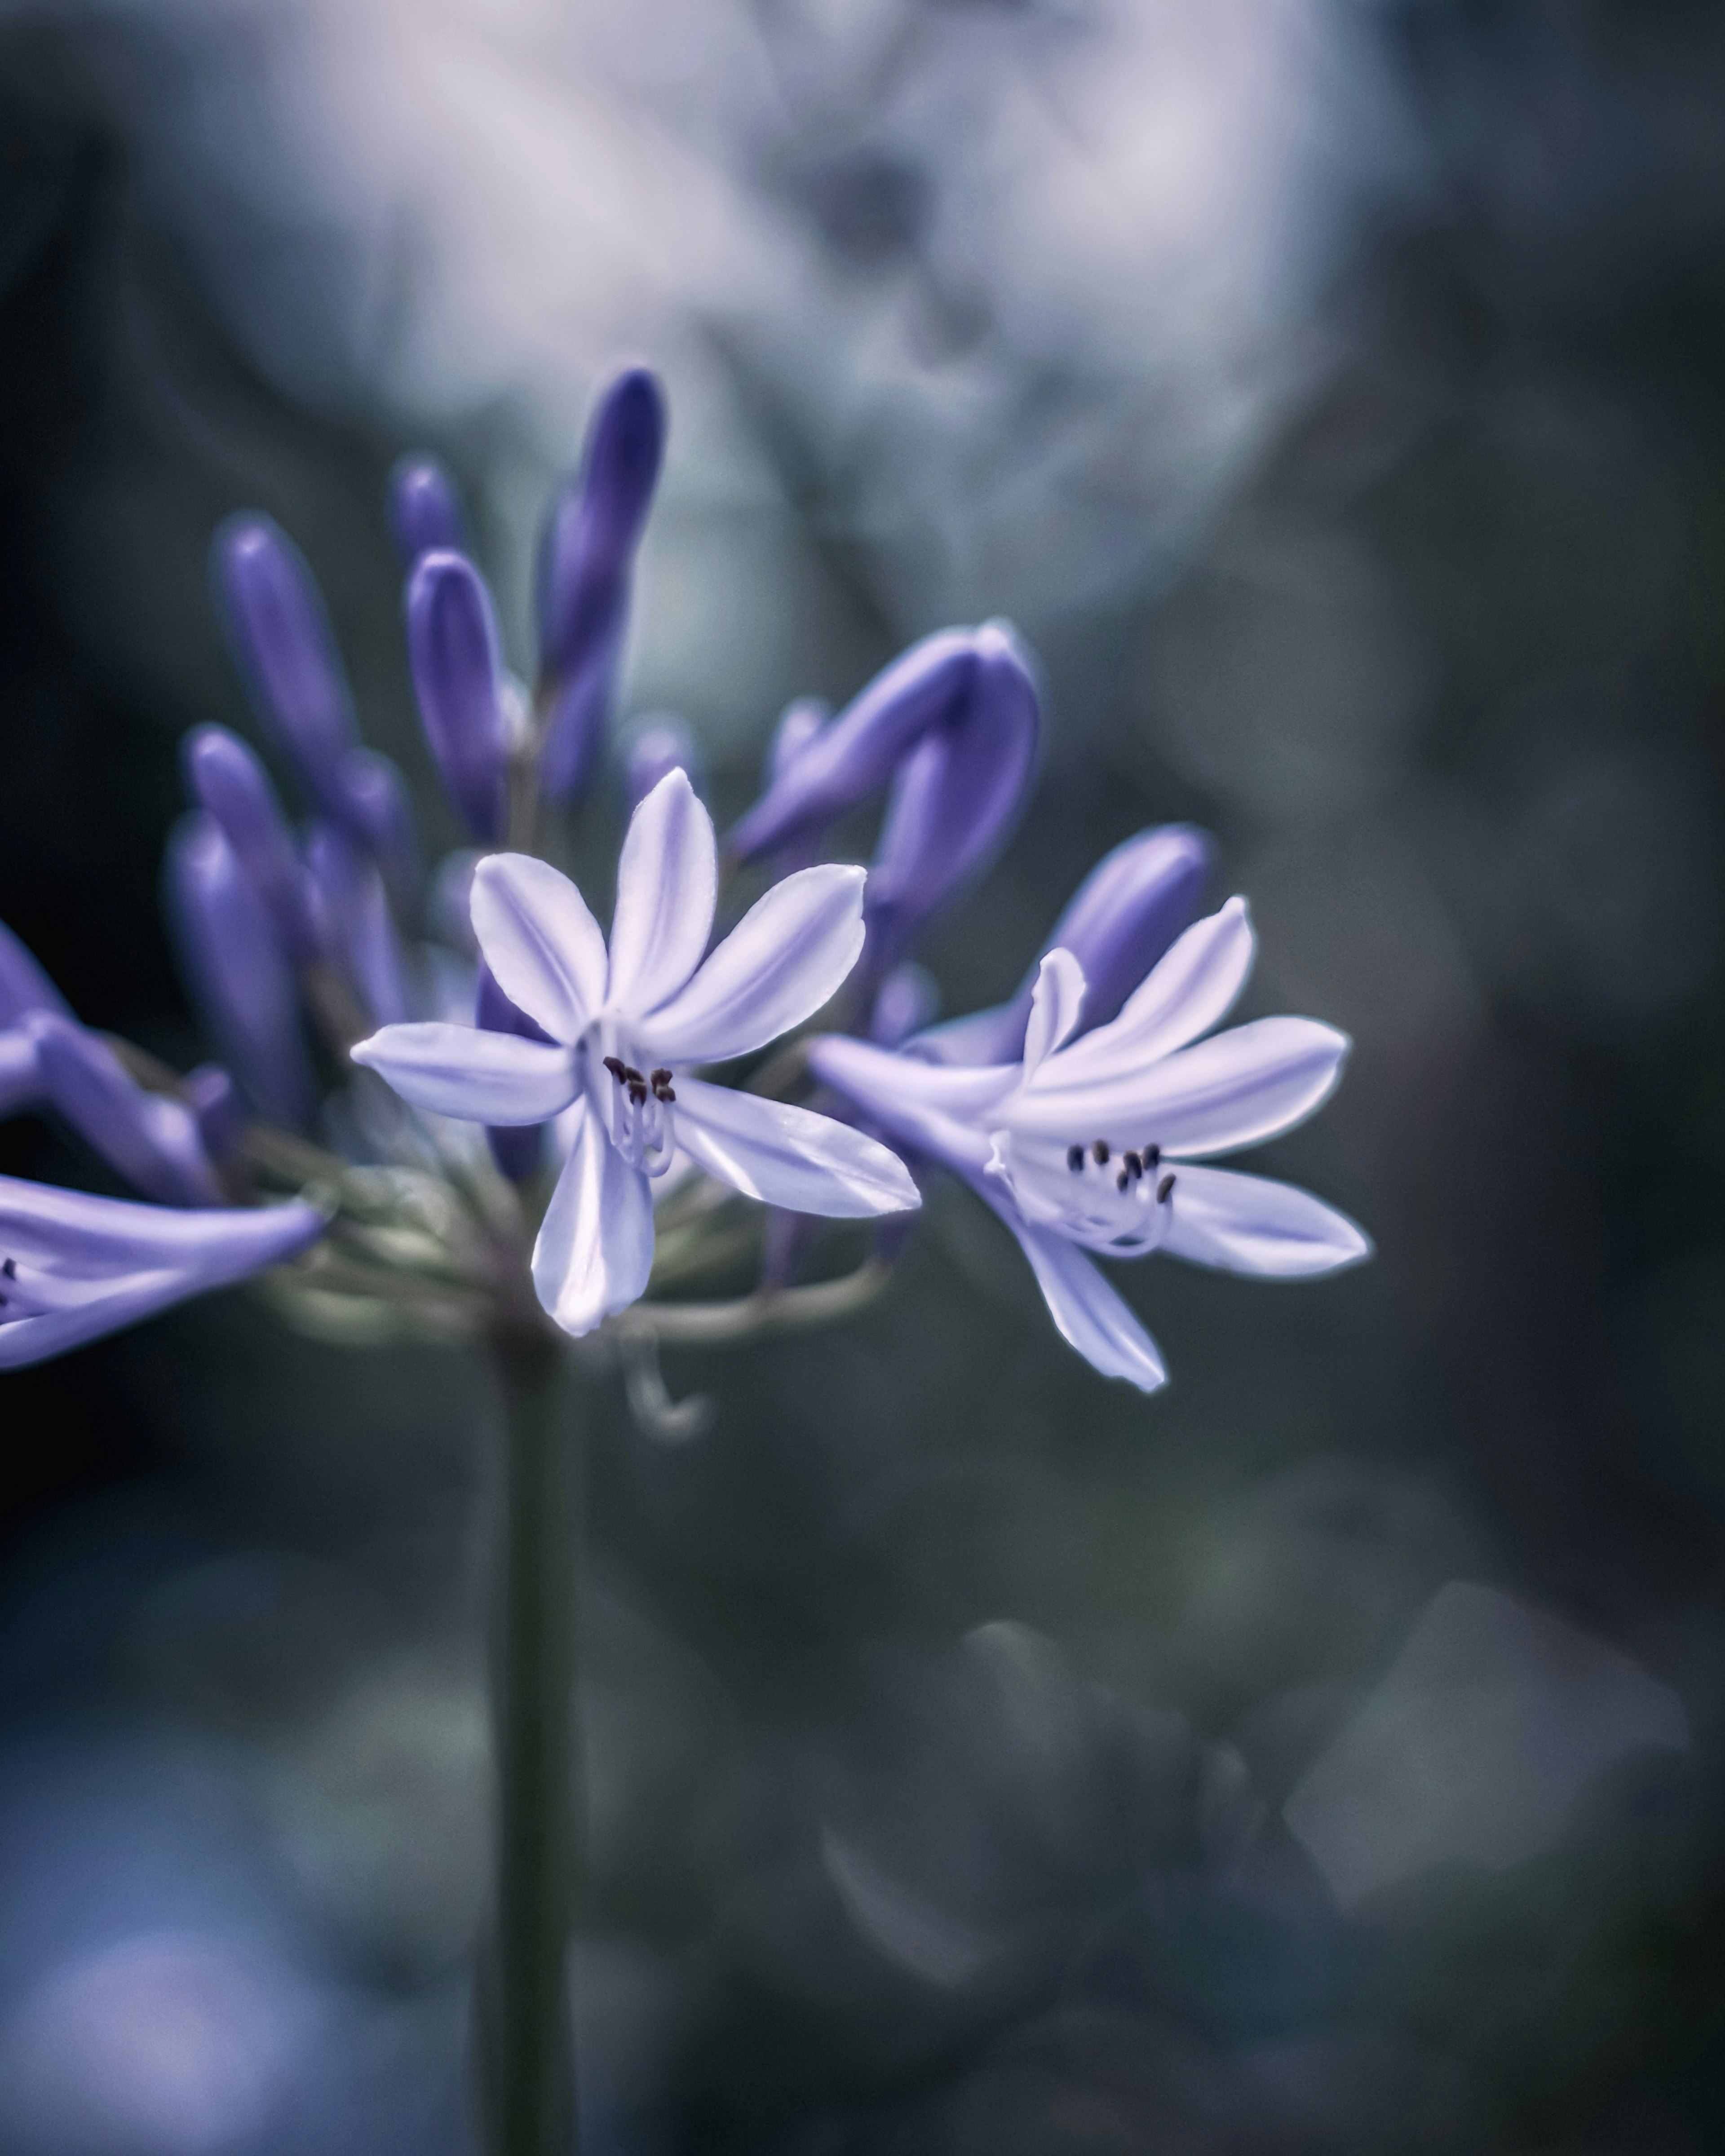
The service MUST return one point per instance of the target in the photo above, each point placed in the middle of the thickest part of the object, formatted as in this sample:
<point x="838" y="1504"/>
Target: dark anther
<point x="10" y="1269"/>
<point x="1164" y="1190"/>
<point x="638" y="1096"/>
<point x="1134" y="1166"/>
<point x="634" y="1077"/>
<point x="1121" y="1180"/>
<point x="1075" y="1157"/>
<point x="1153" y="1157"/>
<point x="666" y="1095"/>
<point x="615" y="1066"/>
<point x="661" y="1077"/>
<point x="1100" y="1150"/>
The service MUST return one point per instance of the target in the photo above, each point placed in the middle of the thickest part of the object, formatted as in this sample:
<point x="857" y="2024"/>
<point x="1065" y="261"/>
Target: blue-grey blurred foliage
<point x="1334" y="394"/>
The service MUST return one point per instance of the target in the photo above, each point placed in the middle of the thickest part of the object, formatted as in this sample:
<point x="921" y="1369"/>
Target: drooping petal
<point x="781" y="963"/>
<point x="595" y="1247"/>
<point x="1055" y="1003"/>
<point x="933" y="1105"/>
<point x="482" y="1077"/>
<point x="790" y="1157"/>
<point x="667" y="886"/>
<point x="82" y="1266"/>
<point x="540" y="941"/>
<point x="1090" y="1314"/>
<point x="154" y="1141"/>
<point x="1191" y="989"/>
<point x="1247" y="1223"/>
<point x="1236" y="1089"/>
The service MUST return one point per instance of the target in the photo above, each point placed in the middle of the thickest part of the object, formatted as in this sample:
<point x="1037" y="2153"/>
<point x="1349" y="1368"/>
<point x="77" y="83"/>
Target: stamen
<point x="618" y="1069"/>
<point x="1075" y="1158"/>
<point x="634" y="1077"/>
<point x="667" y="1094"/>
<point x="661" y="1076"/>
<point x="1164" y="1190"/>
<point x="1101" y="1151"/>
<point x="661" y="1082"/>
<point x="637" y="1094"/>
<point x="10" y="1270"/>
<point x="1153" y="1157"/>
<point x="1134" y="1166"/>
<point x="1121" y="1180"/>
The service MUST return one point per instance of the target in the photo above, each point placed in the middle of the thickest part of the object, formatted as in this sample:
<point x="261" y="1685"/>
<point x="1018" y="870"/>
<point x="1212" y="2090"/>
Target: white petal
<point x="780" y="963"/>
<point x="1187" y="991"/>
<point x="1236" y="1089"/>
<point x="1246" y="1224"/>
<point x="790" y="1157"/>
<point x="1090" y="1314"/>
<point x="541" y="943"/>
<point x="595" y="1247"/>
<point x="462" y="1070"/>
<point x="667" y="886"/>
<point x="1056" y="1002"/>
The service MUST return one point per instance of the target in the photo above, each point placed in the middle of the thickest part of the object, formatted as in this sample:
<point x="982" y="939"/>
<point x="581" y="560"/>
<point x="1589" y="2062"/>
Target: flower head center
<point x="635" y="1105"/>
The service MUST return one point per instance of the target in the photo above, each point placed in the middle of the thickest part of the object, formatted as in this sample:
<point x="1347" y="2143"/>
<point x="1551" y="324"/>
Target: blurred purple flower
<point x="624" y="1027"/>
<point x="1085" y="1144"/>
<point x="458" y="677"/>
<point x="74" y="1267"/>
<point x="424" y="509"/>
<point x="153" y="1140"/>
<point x="230" y="782"/>
<point x="358" y="925"/>
<point x="373" y="807"/>
<point x="586" y="563"/>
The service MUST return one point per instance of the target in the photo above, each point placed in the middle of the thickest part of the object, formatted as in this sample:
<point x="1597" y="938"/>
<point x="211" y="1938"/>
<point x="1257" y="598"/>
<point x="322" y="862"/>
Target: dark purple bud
<point x="375" y="810"/>
<point x="358" y="925"/>
<point x="517" y="1149"/>
<point x="457" y="677"/>
<point x="213" y="1099"/>
<point x="586" y="563"/>
<point x="237" y="971"/>
<point x="20" y="1075"/>
<point x="854" y="756"/>
<point x="660" y="745"/>
<point x="229" y="780"/>
<point x="956" y="798"/>
<point x="907" y="1001"/>
<point x="78" y="1266"/>
<point x="424" y="509"/>
<point x="281" y="637"/>
<point x="23" y="985"/>
<point x="153" y="1140"/>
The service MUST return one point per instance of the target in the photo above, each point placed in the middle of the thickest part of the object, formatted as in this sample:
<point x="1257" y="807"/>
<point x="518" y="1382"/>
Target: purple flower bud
<point x="424" y="509"/>
<point x="23" y="985"/>
<point x="74" y="1267"/>
<point x="586" y="560"/>
<point x="20" y="1075"/>
<point x="660" y="745"/>
<point x="516" y="1148"/>
<point x="213" y="1099"/>
<point x="153" y="1140"/>
<point x="842" y="764"/>
<point x="956" y="797"/>
<point x="229" y="780"/>
<point x="798" y="723"/>
<point x="457" y="677"/>
<point x="375" y="809"/>
<point x="907" y="1001"/>
<point x="357" y="924"/>
<point x="281" y="636"/>
<point x="237" y="971"/>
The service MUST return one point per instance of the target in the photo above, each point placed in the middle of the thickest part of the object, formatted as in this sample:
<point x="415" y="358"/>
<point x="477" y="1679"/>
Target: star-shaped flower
<point x="625" y="1026"/>
<point x="1088" y="1143"/>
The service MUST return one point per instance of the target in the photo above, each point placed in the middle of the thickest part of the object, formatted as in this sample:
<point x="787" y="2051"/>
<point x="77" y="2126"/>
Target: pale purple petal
<point x="1090" y="1314"/>
<point x="1191" y="989"/>
<point x="595" y="1248"/>
<point x="481" y="1077"/>
<point x="81" y="1266"/>
<point x="790" y="1157"/>
<point x="667" y="886"/>
<point x="20" y="1079"/>
<point x="540" y="941"/>
<point x="1236" y="1089"/>
<point x="931" y="1106"/>
<point x="153" y="1140"/>
<point x="1055" y="1003"/>
<point x="778" y="967"/>
<point x="1246" y="1224"/>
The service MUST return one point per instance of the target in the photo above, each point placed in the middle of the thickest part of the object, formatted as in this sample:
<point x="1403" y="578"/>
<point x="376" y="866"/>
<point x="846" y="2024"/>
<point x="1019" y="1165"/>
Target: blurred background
<point x="1323" y="1755"/>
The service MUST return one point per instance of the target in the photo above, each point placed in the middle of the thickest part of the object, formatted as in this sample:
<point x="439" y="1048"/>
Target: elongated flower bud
<point x="154" y="1141"/>
<point x="375" y="809"/>
<point x="585" y="562"/>
<point x="281" y="637"/>
<point x="238" y="971"/>
<point x="23" y="985"/>
<point x="663" y="744"/>
<point x="458" y="677"/>
<point x="516" y="1148"/>
<point x="424" y="509"/>
<point x="357" y="925"/>
<point x="230" y="783"/>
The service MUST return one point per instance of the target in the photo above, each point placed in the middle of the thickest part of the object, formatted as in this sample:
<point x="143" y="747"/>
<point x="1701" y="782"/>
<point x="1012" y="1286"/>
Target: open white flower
<point x="1090" y="1146"/>
<point x="625" y="1027"/>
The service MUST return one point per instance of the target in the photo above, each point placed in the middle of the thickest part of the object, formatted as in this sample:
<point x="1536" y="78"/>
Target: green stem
<point x="526" y="2029"/>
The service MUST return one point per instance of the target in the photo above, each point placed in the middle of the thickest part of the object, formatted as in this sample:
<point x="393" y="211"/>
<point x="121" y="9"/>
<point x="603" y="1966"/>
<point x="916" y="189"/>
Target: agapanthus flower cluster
<point x="505" y="1127"/>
